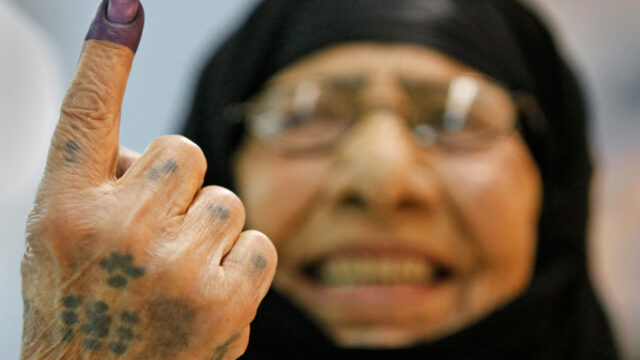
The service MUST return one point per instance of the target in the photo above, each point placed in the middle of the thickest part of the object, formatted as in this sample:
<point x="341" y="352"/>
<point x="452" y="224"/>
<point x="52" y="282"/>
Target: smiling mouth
<point x="351" y="271"/>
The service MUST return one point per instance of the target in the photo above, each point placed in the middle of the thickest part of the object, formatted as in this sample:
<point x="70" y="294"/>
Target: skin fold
<point x="129" y="257"/>
<point x="378" y="194"/>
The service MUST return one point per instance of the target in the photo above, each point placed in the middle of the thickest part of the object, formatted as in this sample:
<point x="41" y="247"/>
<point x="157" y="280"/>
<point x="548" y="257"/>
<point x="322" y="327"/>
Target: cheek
<point x="277" y="192"/>
<point x="496" y="197"/>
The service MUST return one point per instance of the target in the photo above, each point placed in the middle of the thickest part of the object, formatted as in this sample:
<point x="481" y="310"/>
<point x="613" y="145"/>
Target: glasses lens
<point x="305" y="117"/>
<point x="464" y="113"/>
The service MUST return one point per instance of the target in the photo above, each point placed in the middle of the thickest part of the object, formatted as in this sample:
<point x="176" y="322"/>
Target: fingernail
<point x="118" y="21"/>
<point x="122" y="11"/>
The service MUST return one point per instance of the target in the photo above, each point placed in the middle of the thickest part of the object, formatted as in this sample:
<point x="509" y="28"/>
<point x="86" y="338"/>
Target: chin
<point x="392" y="299"/>
<point x="384" y="337"/>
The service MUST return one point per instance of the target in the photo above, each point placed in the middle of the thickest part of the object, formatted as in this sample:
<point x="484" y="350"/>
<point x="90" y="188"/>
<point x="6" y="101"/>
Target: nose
<point x="380" y="170"/>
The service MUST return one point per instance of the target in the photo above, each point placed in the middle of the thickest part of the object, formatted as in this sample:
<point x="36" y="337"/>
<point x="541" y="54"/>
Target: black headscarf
<point x="558" y="316"/>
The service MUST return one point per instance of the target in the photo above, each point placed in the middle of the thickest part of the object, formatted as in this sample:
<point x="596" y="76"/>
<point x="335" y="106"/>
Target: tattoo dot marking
<point x="92" y="344"/>
<point x="219" y="212"/>
<point x="71" y="302"/>
<point x="69" y="318"/>
<point x="154" y="174"/>
<point x="124" y="333"/>
<point x="134" y="272"/>
<point x="108" y="265"/>
<point x="123" y="263"/>
<point x="118" y="348"/>
<point x="98" y="324"/>
<point x="97" y="307"/>
<point x="97" y="320"/>
<point x="71" y="149"/>
<point x="98" y="329"/>
<point x="67" y="334"/>
<point x="170" y="167"/>
<point x="129" y="317"/>
<point x="259" y="261"/>
<point x="117" y="281"/>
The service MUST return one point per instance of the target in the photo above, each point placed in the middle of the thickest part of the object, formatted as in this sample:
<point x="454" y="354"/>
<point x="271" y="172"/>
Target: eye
<point x="431" y="112"/>
<point x="301" y="117"/>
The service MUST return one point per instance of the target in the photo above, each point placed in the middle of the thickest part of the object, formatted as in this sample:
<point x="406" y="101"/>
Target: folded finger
<point x="251" y="264"/>
<point x="164" y="180"/>
<point x="213" y="222"/>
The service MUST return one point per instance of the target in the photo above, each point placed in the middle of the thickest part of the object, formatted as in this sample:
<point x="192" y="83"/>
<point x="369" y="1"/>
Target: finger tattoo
<point x="259" y="261"/>
<point x="169" y="167"/>
<point x="71" y="150"/>
<point x="220" y="212"/>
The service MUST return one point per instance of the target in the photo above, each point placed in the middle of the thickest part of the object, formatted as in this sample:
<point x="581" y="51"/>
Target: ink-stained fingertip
<point x="122" y="11"/>
<point x="118" y="21"/>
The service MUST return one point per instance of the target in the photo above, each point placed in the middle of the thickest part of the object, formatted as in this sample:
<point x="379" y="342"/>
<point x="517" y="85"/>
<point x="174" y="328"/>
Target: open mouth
<point x="343" y="271"/>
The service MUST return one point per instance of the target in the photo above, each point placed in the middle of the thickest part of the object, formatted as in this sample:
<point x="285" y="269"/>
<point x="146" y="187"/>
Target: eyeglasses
<point x="467" y="112"/>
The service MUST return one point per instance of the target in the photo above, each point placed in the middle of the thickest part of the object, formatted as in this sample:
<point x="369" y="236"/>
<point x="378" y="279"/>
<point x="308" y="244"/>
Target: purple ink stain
<point x="114" y="27"/>
<point x="122" y="11"/>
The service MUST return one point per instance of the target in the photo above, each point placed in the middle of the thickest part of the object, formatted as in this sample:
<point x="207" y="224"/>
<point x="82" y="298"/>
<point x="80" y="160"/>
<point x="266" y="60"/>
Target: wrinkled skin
<point x="377" y="194"/>
<point x="128" y="256"/>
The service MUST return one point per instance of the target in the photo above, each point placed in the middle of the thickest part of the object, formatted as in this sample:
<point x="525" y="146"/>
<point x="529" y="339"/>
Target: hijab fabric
<point x="558" y="316"/>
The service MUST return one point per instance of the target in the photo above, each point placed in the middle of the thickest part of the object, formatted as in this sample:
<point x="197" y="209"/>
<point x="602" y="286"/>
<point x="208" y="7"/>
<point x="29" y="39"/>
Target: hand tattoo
<point x="121" y="269"/>
<point x="98" y="325"/>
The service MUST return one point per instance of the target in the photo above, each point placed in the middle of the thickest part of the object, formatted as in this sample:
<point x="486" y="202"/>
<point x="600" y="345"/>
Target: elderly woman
<point x="420" y="166"/>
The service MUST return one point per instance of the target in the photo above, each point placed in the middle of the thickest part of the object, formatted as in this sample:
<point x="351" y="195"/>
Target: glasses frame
<point x="526" y="111"/>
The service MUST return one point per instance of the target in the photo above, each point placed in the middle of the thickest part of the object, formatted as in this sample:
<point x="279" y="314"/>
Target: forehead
<point x="374" y="60"/>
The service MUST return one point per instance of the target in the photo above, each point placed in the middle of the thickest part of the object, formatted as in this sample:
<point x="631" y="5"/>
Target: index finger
<point x="85" y="142"/>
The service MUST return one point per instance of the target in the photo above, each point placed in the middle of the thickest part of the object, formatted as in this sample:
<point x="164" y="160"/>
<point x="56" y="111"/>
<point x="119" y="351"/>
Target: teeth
<point x="376" y="271"/>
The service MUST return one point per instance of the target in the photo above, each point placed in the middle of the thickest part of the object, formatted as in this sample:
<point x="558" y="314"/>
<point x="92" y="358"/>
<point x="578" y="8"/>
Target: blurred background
<point x="40" y="41"/>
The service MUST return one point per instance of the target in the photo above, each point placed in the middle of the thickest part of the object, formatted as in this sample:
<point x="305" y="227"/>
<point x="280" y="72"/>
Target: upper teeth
<point x="375" y="270"/>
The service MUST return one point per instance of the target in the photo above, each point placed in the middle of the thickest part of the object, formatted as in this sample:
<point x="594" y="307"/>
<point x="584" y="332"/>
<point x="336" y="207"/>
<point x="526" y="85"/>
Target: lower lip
<point x="376" y="295"/>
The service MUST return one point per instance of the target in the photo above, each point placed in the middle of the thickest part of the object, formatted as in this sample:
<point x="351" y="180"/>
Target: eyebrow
<point x="352" y="84"/>
<point x="414" y="88"/>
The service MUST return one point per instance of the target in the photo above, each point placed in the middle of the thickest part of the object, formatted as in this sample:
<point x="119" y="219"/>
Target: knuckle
<point x="261" y="240"/>
<point x="224" y="203"/>
<point x="182" y="150"/>
<point x="266" y="255"/>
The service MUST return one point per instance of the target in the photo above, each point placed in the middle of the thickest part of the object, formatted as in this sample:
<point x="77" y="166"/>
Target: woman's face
<point x="381" y="241"/>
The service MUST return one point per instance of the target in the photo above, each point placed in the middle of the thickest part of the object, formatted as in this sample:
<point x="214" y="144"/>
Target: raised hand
<point x="129" y="257"/>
